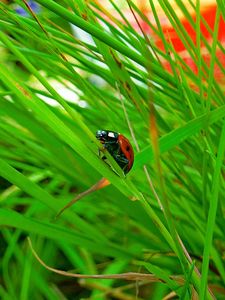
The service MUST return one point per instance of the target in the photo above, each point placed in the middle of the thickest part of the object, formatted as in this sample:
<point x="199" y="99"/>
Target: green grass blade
<point x="212" y="212"/>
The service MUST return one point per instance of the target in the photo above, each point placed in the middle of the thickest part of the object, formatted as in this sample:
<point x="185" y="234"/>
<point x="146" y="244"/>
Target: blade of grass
<point x="175" y="137"/>
<point x="30" y="225"/>
<point x="212" y="212"/>
<point x="31" y="188"/>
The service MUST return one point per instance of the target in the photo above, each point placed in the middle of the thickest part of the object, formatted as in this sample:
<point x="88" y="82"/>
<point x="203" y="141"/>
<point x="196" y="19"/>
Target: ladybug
<point x="119" y="147"/>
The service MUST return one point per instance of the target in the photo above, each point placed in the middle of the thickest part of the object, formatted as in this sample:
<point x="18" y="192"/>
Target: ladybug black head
<point x="107" y="135"/>
<point x="102" y="135"/>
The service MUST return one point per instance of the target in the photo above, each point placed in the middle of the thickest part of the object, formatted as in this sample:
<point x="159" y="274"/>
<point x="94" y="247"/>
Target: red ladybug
<point x="119" y="147"/>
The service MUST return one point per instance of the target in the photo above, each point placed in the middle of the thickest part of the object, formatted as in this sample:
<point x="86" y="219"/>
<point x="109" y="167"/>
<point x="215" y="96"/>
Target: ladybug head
<point x="102" y="135"/>
<point x="107" y="136"/>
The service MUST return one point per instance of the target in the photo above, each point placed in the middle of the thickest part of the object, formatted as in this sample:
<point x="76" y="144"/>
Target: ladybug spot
<point x="127" y="148"/>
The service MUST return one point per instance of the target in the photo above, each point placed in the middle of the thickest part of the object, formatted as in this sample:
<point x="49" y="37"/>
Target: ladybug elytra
<point x="119" y="147"/>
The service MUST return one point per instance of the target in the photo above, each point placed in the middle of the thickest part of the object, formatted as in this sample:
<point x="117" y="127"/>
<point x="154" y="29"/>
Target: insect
<point x="118" y="146"/>
<point x="120" y="149"/>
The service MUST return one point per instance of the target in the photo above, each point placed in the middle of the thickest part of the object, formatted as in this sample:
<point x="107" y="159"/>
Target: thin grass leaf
<point x="212" y="212"/>
<point x="177" y="136"/>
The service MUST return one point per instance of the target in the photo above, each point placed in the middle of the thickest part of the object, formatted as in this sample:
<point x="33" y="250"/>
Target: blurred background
<point x="151" y="70"/>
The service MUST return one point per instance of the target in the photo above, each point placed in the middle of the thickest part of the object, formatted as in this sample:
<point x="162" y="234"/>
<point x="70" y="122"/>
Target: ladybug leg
<point x="99" y="151"/>
<point x="107" y="146"/>
<point x="122" y="161"/>
<point x="102" y="149"/>
<point x="104" y="158"/>
<point x="101" y="154"/>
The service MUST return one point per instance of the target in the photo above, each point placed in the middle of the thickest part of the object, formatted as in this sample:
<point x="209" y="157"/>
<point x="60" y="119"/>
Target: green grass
<point x="166" y="217"/>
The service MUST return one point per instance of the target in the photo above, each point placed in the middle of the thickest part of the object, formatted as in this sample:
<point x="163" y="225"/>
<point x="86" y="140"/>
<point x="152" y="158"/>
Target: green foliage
<point x="166" y="218"/>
